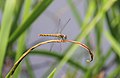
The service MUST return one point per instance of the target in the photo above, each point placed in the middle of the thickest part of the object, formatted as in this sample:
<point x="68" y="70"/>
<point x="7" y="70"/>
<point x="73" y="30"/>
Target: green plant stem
<point x="6" y="24"/>
<point x="97" y="67"/>
<point x="38" y="10"/>
<point x="51" y="67"/>
<point x="29" y="68"/>
<point x="75" y="12"/>
<point x="113" y="42"/>
<point x="17" y="12"/>
<point x="22" y="38"/>
<point x="52" y="74"/>
<point x="115" y="72"/>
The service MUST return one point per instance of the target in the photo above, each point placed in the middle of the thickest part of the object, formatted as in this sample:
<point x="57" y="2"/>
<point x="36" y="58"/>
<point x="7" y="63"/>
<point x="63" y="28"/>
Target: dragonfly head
<point x="64" y="37"/>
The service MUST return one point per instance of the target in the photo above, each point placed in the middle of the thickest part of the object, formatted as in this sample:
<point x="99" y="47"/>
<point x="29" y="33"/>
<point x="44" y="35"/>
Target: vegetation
<point x="101" y="17"/>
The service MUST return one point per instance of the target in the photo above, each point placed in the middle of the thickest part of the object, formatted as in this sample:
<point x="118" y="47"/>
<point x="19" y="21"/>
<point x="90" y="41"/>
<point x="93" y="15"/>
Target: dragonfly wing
<point x="51" y="47"/>
<point x="53" y="44"/>
<point x="60" y="47"/>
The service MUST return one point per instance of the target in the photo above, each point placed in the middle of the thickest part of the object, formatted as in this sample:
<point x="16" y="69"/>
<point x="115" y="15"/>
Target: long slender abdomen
<point x="52" y="35"/>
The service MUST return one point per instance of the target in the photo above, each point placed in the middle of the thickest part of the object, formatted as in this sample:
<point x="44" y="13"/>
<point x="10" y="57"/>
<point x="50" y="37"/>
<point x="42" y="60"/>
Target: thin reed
<point x="11" y="72"/>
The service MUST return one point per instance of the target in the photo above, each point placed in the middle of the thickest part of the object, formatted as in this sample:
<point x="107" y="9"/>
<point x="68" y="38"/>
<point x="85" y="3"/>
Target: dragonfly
<point x="64" y="37"/>
<point x="58" y="34"/>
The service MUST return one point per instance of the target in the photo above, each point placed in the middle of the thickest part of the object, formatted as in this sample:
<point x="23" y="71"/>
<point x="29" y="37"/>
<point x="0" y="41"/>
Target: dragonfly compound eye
<point x="65" y="37"/>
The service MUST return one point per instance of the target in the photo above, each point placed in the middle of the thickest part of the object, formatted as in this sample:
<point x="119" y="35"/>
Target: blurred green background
<point x="98" y="24"/>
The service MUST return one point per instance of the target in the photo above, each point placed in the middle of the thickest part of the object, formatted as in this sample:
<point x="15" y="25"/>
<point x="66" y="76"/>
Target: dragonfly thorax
<point x="64" y="37"/>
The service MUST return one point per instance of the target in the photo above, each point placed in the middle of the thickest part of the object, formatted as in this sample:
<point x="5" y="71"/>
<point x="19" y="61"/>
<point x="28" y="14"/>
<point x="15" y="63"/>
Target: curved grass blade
<point x="11" y="72"/>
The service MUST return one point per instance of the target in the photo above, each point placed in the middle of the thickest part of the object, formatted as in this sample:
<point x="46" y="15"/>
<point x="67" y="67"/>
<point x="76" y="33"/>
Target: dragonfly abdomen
<point x="52" y="35"/>
<point x="55" y="35"/>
